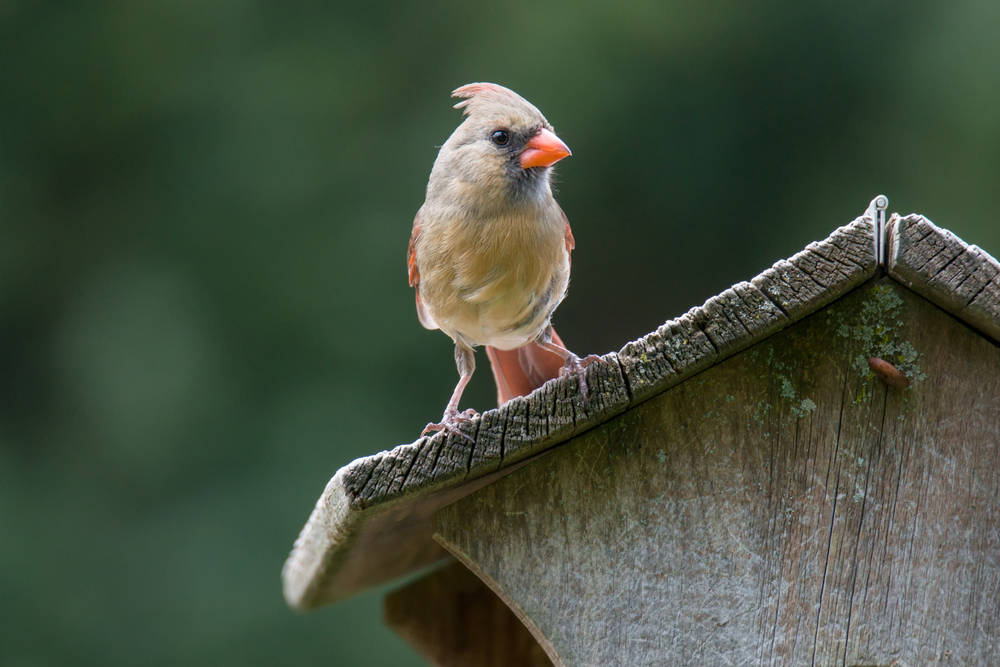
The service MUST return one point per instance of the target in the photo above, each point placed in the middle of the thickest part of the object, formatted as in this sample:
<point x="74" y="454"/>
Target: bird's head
<point x="503" y="151"/>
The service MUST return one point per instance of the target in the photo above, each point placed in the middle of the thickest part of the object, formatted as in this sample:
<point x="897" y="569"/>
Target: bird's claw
<point x="577" y="367"/>
<point x="451" y="421"/>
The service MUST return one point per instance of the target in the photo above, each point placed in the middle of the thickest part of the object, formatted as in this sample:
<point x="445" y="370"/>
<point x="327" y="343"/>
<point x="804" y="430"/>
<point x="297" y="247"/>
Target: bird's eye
<point x="500" y="137"/>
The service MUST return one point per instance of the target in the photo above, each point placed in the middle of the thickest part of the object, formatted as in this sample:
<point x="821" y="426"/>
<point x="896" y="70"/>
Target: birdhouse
<point x="804" y="469"/>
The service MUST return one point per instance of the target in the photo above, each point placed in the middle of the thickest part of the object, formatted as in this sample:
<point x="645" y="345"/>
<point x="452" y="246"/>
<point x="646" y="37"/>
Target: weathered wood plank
<point x="963" y="279"/>
<point x="372" y="522"/>
<point x="783" y="507"/>
<point x="347" y="546"/>
<point x="454" y="620"/>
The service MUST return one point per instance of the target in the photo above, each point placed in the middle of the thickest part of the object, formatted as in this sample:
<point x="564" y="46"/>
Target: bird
<point x="489" y="252"/>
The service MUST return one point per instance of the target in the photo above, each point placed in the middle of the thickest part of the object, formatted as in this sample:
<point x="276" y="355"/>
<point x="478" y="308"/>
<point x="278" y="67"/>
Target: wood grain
<point x="782" y="507"/>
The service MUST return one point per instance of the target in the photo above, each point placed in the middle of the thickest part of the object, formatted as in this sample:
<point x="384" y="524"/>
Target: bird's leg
<point x="572" y="364"/>
<point x="465" y="360"/>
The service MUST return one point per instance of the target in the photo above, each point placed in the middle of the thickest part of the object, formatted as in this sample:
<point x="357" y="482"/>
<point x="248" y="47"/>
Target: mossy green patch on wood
<point x="872" y="321"/>
<point x="780" y="368"/>
<point x="877" y="329"/>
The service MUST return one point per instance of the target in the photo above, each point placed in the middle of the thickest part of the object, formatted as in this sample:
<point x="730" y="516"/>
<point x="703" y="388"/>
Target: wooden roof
<point x="373" y="521"/>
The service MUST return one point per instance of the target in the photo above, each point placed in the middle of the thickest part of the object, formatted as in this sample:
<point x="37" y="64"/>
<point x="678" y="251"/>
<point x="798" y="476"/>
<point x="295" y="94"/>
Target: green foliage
<point x="204" y="209"/>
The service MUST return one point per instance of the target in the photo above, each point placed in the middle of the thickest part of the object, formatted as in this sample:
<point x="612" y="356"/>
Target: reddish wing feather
<point x="570" y="241"/>
<point x="411" y="255"/>
<point x="414" y="276"/>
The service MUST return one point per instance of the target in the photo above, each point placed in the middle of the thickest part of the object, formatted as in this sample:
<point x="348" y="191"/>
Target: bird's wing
<point x="411" y="254"/>
<point x="570" y="241"/>
<point x="413" y="273"/>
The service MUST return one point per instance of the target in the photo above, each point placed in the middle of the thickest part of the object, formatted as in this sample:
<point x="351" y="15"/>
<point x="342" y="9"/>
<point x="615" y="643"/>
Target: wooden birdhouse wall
<point x="784" y="505"/>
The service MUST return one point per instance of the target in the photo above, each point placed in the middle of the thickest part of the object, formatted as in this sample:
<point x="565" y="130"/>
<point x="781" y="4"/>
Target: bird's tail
<point x="518" y="372"/>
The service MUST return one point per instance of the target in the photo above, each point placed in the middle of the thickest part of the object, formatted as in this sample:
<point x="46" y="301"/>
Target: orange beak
<point x="543" y="150"/>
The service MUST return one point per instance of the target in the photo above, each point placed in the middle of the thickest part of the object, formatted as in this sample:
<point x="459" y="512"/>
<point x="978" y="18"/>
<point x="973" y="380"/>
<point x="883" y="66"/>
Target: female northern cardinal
<point x="489" y="254"/>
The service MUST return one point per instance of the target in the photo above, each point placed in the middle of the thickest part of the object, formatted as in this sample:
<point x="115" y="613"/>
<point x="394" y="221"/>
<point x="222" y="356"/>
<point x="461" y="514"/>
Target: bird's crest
<point x="481" y="95"/>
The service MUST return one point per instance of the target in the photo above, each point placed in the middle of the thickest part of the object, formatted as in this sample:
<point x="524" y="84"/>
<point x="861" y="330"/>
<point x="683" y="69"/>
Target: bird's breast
<point x="495" y="283"/>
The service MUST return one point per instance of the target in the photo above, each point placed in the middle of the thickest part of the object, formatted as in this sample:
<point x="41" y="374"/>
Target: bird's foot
<point x="451" y="421"/>
<point x="577" y="367"/>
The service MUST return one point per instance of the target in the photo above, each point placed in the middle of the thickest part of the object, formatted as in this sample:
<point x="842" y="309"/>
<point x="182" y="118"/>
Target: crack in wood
<point x="406" y="473"/>
<point x="841" y="258"/>
<point x="418" y="452"/>
<point x="775" y="303"/>
<point x="857" y="537"/>
<point x="995" y="282"/>
<point x="754" y="301"/>
<point x="700" y="327"/>
<point x="624" y="376"/>
<point x="472" y="449"/>
<point x="368" y="465"/>
<point x="807" y="274"/>
<point x="833" y="515"/>
<point x="503" y="437"/>
<point x="945" y="267"/>
<point x="437" y="453"/>
<point x="939" y="246"/>
<point x="971" y="276"/>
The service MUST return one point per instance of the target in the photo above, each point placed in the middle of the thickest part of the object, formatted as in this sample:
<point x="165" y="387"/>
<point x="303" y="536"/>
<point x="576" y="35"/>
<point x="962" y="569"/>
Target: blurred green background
<point x="205" y="208"/>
